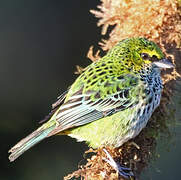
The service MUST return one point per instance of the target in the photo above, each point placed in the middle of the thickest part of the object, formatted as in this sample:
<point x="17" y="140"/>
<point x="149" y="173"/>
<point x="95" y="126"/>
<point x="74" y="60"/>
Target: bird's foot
<point x="122" y="171"/>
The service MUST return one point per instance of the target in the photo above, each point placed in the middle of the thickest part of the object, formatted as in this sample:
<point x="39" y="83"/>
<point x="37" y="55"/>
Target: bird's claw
<point x="123" y="171"/>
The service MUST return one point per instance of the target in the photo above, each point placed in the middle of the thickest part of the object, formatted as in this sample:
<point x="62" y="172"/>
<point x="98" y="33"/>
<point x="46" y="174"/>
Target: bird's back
<point x="125" y="123"/>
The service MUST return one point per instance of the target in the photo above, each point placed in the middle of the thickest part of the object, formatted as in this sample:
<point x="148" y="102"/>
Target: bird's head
<point x="138" y="53"/>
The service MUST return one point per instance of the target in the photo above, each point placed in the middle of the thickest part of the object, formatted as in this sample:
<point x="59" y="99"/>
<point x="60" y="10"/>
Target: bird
<point x="110" y="102"/>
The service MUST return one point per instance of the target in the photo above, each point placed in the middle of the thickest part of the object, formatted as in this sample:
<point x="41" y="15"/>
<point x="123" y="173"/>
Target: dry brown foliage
<point x="159" y="21"/>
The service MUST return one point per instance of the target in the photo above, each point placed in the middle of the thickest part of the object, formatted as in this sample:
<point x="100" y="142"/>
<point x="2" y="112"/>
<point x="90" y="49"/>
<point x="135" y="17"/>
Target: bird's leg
<point x="122" y="171"/>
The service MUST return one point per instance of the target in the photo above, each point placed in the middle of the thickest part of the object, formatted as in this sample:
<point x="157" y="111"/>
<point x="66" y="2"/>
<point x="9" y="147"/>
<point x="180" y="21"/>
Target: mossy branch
<point x="159" y="21"/>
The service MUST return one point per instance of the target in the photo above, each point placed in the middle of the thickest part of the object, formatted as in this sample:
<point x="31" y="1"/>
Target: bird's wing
<point x="55" y="106"/>
<point x="83" y="107"/>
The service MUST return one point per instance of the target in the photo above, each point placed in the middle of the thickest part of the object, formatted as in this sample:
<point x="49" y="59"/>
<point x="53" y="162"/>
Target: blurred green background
<point x="40" y="43"/>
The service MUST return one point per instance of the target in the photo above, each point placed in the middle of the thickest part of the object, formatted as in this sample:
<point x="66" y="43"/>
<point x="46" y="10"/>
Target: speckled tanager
<point x="110" y="102"/>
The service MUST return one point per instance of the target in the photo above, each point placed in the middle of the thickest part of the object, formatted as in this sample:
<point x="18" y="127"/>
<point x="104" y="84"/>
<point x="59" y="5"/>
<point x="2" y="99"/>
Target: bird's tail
<point x="32" y="139"/>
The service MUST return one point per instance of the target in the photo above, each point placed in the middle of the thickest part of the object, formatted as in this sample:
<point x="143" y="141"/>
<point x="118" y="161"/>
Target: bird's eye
<point x="154" y="58"/>
<point x="145" y="56"/>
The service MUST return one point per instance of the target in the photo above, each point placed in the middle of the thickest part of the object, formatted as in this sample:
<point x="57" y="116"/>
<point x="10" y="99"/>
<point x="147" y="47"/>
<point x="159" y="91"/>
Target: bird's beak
<point x="164" y="63"/>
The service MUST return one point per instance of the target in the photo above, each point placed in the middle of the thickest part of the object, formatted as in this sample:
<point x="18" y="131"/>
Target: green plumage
<point x="111" y="101"/>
